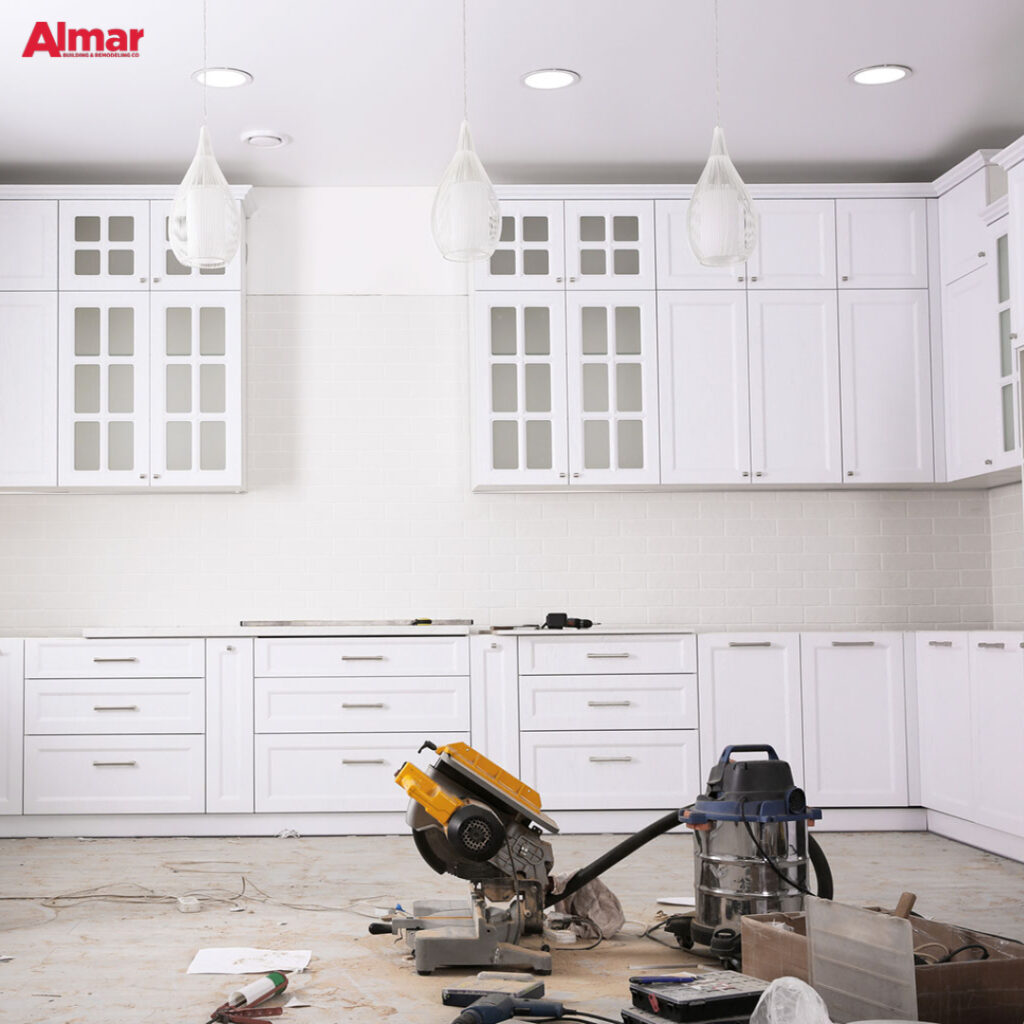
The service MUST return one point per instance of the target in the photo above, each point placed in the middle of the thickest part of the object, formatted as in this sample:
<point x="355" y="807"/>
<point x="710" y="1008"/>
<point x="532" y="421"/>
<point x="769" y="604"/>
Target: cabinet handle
<point x="750" y="643"/>
<point x="988" y="462"/>
<point x="981" y="254"/>
<point x="115" y="764"/>
<point x="745" y="472"/>
<point x="230" y="647"/>
<point x="142" y="476"/>
<point x="115" y="707"/>
<point x="562" y="476"/>
<point x="940" y="643"/>
<point x="759" y="473"/>
<point x="558" y="280"/>
<point x="844" y="278"/>
<point x="351" y="706"/>
<point x="104" y="660"/>
<point x="362" y="657"/>
<point x="1013" y="335"/>
<point x="610" y="760"/>
<point x="572" y="280"/>
<point x="142" y="280"/>
<point x="849" y="472"/>
<point x="575" y="476"/>
<point x="853" y="643"/>
<point x="156" y="280"/>
<point x="608" y="703"/>
<point x="367" y="760"/>
<point x="156" y="476"/>
<point x="740" y="279"/>
<point x="591" y="654"/>
<point x="993" y="645"/>
<point x="753" y="277"/>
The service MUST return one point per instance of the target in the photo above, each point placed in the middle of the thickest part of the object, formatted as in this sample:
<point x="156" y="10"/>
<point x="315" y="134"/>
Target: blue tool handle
<point x="661" y="979"/>
<point x="748" y="748"/>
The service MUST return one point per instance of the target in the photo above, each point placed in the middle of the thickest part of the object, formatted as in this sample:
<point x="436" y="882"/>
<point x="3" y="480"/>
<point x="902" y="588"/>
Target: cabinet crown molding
<point x="1012" y="155"/>
<point x="102" y="191"/>
<point x="962" y="171"/>
<point x="852" y="190"/>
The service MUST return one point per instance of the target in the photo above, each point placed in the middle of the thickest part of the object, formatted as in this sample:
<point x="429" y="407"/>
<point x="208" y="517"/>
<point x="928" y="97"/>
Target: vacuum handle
<point x="748" y="748"/>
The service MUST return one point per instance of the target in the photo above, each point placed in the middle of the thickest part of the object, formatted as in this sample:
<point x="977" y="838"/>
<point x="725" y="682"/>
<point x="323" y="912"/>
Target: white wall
<point x="359" y="503"/>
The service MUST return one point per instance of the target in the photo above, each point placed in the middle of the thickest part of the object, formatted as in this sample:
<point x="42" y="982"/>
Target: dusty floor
<point x="120" y="962"/>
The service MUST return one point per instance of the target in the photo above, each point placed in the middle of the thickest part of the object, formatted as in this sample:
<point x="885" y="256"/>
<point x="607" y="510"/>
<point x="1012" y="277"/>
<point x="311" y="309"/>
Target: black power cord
<point x="824" y="883"/>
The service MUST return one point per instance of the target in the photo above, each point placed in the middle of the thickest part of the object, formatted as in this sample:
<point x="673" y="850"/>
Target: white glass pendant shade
<point x="721" y="221"/>
<point x="204" y="222"/>
<point x="466" y="216"/>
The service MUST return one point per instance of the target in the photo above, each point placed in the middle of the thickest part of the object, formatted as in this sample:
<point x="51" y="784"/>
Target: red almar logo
<point x="82" y="42"/>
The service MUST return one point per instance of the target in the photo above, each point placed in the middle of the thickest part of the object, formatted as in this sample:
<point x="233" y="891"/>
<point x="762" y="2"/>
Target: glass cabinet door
<point x="104" y="245"/>
<point x="613" y="388"/>
<point x="103" y="366"/>
<point x="170" y="275"/>
<point x="531" y="250"/>
<point x="519" y="389"/>
<point x="196" y="390"/>
<point x="609" y="244"/>
<point x="1008" y="439"/>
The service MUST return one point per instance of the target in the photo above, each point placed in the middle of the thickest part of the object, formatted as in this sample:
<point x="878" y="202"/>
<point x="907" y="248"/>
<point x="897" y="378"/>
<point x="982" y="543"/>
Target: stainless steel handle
<point x="609" y="760"/>
<point x="740" y="279"/>
<point x="156" y="280"/>
<point x="114" y="764"/>
<point x="362" y="657"/>
<point x="350" y="706"/>
<point x="750" y="643"/>
<point x="105" y="660"/>
<point x="994" y="645"/>
<point x="608" y="703"/>
<point x="759" y="473"/>
<point x="156" y="476"/>
<point x="849" y="472"/>
<point x="753" y="277"/>
<point x="558" y="280"/>
<point x="981" y="253"/>
<point x="591" y="654"/>
<point x="745" y="472"/>
<point x="853" y="643"/>
<point x="844" y="278"/>
<point x="562" y="476"/>
<point x="572" y="280"/>
<point x="940" y="643"/>
<point x="575" y="476"/>
<point x="142" y="280"/>
<point x="1013" y="335"/>
<point x="988" y="462"/>
<point x="230" y="647"/>
<point x="115" y="707"/>
<point x="142" y="476"/>
<point x="368" y="760"/>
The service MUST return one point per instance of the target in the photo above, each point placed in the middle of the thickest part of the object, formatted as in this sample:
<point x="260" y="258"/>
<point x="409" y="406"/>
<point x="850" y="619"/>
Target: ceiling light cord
<point x="718" y="90"/>
<point x="206" y="72"/>
<point x="465" y="72"/>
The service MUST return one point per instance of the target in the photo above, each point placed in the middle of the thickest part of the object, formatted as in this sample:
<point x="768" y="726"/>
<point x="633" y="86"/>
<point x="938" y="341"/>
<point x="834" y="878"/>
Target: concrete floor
<point x="115" y="962"/>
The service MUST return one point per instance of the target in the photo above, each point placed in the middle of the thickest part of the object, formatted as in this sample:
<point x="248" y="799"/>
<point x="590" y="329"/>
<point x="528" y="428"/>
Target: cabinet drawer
<point x="608" y="702"/>
<point x="419" y="704"/>
<point x="335" y="772"/>
<point x="114" y="659"/>
<point x="114" y="775"/>
<point x="105" y="706"/>
<point x="363" y="656"/>
<point x="602" y="655"/>
<point x="612" y="770"/>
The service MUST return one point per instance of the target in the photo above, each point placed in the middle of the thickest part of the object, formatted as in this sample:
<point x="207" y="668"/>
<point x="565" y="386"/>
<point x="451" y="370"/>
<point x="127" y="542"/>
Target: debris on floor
<point x="245" y="960"/>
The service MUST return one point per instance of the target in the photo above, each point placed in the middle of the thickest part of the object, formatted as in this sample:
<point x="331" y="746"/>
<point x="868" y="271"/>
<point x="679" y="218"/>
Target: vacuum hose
<point x="822" y="872"/>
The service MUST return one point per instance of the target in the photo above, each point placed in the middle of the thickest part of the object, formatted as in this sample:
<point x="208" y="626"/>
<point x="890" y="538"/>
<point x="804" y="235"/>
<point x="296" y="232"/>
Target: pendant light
<point x="203" y="227"/>
<point x="721" y="221"/>
<point x="466" y="217"/>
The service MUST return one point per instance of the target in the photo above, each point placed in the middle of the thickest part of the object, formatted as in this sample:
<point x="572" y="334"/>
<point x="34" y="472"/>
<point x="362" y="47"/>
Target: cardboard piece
<point x="964" y="992"/>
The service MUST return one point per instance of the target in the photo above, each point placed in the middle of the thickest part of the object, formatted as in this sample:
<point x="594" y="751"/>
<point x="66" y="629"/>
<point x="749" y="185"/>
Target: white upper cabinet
<point x="794" y="388"/>
<point x="28" y="256"/>
<point x="610" y="244"/>
<point x="613" y="387"/>
<point x="963" y="236"/>
<point x="28" y="389"/>
<point x="677" y="266"/>
<point x="796" y="246"/>
<point x="531" y="249"/>
<point x="882" y="243"/>
<point x="885" y="369"/>
<point x="104" y="245"/>
<point x="170" y="275"/>
<point x="704" y="390"/>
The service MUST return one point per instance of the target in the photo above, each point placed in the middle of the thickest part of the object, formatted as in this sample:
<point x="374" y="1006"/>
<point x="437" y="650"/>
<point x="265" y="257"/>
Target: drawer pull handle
<point x="940" y="643"/>
<point x="362" y="657"/>
<point x="853" y="643"/>
<point x="100" y="661"/>
<point x="115" y="764"/>
<point x="348" y="707"/>
<point x="610" y="760"/>
<point x="750" y="643"/>
<point x="377" y="760"/>
<point x="115" y="707"/>
<point x="994" y="646"/>
<point x="591" y="654"/>
<point x="608" y="703"/>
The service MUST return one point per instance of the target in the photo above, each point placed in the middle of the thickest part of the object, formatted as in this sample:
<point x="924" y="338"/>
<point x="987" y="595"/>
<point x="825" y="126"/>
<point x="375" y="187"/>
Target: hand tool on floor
<point x="241" y="1005"/>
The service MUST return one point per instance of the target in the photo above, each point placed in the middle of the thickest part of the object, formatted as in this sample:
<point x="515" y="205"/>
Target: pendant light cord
<point x="718" y="91"/>
<point x="465" y="72"/>
<point x="205" y="67"/>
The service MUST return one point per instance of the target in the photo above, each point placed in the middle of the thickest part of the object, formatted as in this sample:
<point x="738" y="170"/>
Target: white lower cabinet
<point x="750" y="693"/>
<point x="11" y="727"/>
<point x="855" y="743"/>
<point x="229" y="726"/>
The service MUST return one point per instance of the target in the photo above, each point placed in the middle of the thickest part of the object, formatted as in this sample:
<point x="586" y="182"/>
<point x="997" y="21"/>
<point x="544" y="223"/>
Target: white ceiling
<point x="371" y="90"/>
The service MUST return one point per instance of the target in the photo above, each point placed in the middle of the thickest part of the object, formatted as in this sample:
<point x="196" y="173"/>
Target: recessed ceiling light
<point x="266" y="139"/>
<point x="881" y="74"/>
<point x="221" y="78"/>
<point x="550" y="78"/>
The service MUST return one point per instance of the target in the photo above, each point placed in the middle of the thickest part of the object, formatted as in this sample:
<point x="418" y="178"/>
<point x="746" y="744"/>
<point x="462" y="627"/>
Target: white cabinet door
<point x="196" y="390"/>
<point x="997" y="711"/>
<point x="104" y="245"/>
<point x="882" y="243"/>
<point x="11" y="724"/>
<point x="749" y="687"/>
<point x="28" y="389"/>
<point x="885" y="369"/>
<point x="170" y="275"/>
<point x="519" y="397"/>
<point x="229" y="726"/>
<point x="676" y="265"/>
<point x="531" y="248"/>
<point x="610" y="244"/>
<point x="855" y="741"/>
<point x="103" y="421"/>
<point x="28" y="256"/>
<point x="796" y="245"/>
<point x="612" y="360"/>
<point x="971" y="374"/>
<point x="963" y="236"/>
<point x="794" y="388"/>
<point x="944" y="722"/>
<point x="704" y="392"/>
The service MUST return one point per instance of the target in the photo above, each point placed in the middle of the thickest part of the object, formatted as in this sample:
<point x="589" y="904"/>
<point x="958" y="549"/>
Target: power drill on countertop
<point x="499" y="1006"/>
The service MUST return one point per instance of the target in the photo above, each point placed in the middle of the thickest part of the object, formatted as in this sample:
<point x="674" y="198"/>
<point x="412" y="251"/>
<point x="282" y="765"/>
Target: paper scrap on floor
<point x="243" y="960"/>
